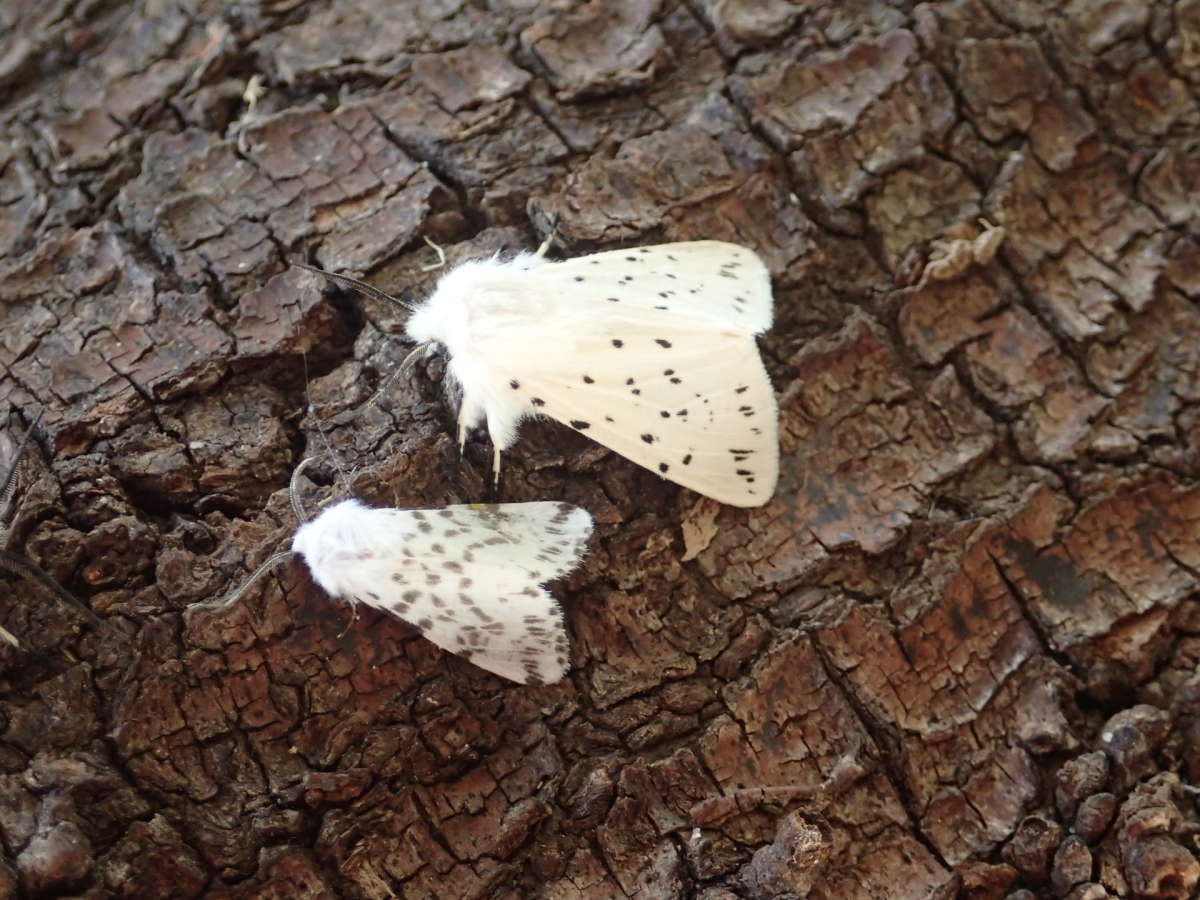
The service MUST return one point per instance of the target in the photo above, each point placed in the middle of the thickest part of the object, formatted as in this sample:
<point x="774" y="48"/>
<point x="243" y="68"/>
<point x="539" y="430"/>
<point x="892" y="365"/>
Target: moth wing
<point x="684" y="398"/>
<point x="469" y="578"/>
<point x="718" y="281"/>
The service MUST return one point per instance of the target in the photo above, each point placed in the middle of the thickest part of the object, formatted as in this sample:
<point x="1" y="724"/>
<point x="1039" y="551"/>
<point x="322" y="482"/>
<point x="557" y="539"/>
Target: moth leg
<point x="469" y="415"/>
<point x="431" y="267"/>
<point x="353" y="619"/>
<point x="502" y="429"/>
<point x="544" y="247"/>
<point x="7" y="635"/>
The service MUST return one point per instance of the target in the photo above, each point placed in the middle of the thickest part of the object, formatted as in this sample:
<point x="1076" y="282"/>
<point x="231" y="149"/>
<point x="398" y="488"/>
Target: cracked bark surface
<point x="955" y="656"/>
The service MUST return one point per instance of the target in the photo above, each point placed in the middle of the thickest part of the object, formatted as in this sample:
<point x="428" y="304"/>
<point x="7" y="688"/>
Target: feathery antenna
<point x="355" y="285"/>
<point x="275" y="558"/>
<point x="9" y="488"/>
<point x="271" y="562"/>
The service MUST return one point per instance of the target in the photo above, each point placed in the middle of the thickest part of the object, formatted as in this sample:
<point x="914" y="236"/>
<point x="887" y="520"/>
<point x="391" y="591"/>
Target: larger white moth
<point x="649" y="351"/>
<point x="468" y="577"/>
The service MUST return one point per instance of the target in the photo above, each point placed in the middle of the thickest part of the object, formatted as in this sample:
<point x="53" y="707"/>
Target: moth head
<point x="425" y="327"/>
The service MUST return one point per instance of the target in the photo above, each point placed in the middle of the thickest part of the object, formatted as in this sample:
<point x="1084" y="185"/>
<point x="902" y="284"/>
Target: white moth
<point x="649" y="351"/>
<point x="468" y="577"/>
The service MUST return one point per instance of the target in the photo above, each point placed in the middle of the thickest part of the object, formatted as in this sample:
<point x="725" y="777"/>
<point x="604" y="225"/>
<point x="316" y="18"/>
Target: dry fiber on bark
<point x="956" y="654"/>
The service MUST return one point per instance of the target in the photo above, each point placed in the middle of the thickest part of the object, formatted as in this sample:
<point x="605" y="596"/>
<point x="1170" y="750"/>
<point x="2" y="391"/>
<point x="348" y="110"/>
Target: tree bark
<point x="954" y="656"/>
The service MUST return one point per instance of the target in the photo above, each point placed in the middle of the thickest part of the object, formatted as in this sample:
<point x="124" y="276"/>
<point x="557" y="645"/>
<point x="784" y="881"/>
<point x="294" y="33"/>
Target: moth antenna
<point x="433" y="267"/>
<point x="271" y="562"/>
<point x="324" y="440"/>
<point x="294" y="489"/>
<point x="355" y="285"/>
<point x="31" y="571"/>
<point x="425" y="349"/>
<point x="405" y="366"/>
<point x="9" y="488"/>
<point x="275" y="558"/>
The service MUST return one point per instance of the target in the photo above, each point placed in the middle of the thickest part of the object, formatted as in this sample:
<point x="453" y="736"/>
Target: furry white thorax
<point x="490" y="294"/>
<point x="333" y="540"/>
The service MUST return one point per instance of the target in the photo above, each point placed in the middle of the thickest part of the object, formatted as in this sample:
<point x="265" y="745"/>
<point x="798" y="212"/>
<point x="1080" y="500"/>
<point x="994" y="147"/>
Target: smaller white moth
<point x="469" y="577"/>
<point x="649" y="351"/>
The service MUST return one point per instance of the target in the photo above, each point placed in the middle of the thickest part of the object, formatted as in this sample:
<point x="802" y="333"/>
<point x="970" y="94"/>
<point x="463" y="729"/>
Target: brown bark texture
<point x="955" y="656"/>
